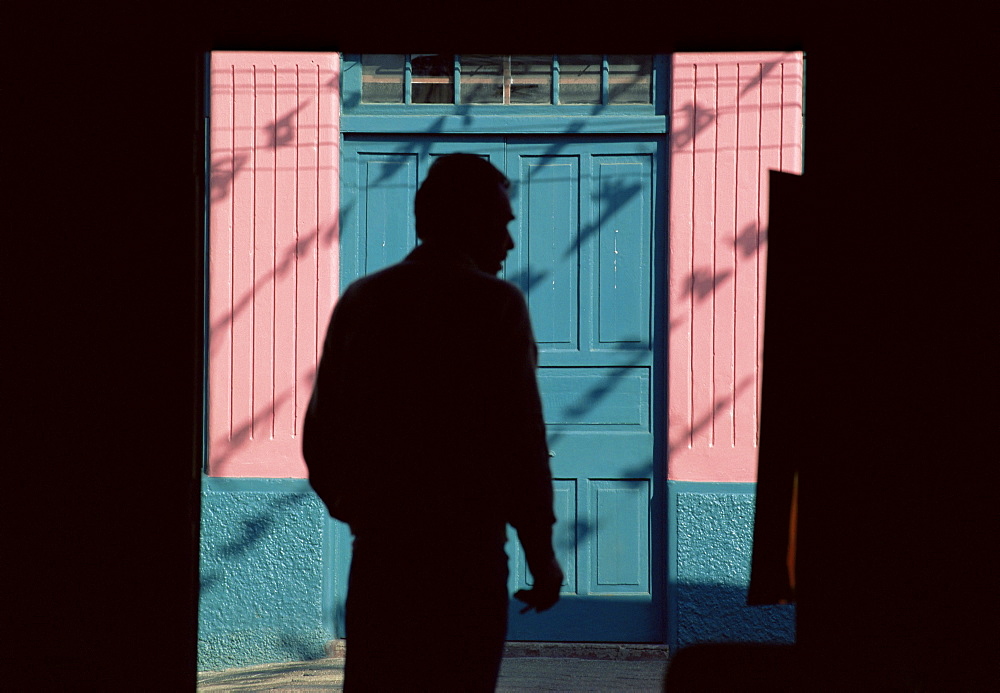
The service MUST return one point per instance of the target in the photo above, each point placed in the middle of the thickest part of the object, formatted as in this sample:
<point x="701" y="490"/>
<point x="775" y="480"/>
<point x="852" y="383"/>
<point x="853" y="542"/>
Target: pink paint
<point x="273" y="256"/>
<point x="735" y="117"/>
<point x="273" y="252"/>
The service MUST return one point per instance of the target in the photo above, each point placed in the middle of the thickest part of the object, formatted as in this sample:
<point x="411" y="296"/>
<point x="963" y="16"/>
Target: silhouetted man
<point x="425" y="435"/>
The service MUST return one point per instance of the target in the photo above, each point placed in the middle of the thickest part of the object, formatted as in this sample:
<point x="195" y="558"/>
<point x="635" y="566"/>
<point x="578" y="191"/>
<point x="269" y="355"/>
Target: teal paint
<point x="590" y="292"/>
<point x="711" y="532"/>
<point x="525" y="124"/>
<point x="468" y="118"/>
<point x="263" y="592"/>
<point x="337" y="551"/>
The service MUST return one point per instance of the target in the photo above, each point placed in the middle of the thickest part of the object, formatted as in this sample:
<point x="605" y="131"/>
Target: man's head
<point x="463" y="204"/>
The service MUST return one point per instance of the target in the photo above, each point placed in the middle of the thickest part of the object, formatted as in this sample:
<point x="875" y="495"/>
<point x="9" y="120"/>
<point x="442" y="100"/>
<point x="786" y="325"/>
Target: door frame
<point x="350" y="270"/>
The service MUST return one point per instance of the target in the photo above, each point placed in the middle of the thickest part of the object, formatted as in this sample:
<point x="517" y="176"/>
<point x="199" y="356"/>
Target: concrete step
<point x="619" y="652"/>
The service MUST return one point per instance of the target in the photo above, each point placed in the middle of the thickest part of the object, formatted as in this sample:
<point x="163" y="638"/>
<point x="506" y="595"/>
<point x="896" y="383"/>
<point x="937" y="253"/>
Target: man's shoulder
<point x="501" y="287"/>
<point x="376" y="281"/>
<point x="489" y="288"/>
<point x="408" y="275"/>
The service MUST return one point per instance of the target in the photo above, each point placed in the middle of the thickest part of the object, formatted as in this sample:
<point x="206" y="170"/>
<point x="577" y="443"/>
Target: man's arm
<point x="545" y="569"/>
<point x="529" y="483"/>
<point x="322" y="444"/>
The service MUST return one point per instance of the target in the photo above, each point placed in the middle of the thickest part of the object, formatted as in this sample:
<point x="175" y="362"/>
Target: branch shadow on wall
<point x="257" y="529"/>
<point x="252" y="532"/>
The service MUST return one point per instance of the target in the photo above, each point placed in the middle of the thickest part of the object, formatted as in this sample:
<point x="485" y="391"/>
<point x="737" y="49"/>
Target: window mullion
<point x="506" y="80"/>
<point x="605" y="98"/>
<point x="407" y="81"/>
<point x="423" y="81"/>
<point x="555" y="80"/>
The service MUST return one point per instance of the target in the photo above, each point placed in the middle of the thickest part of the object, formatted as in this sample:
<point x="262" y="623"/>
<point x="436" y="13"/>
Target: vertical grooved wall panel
<point x="734" y="117"/>
<point x="273" y="188"/>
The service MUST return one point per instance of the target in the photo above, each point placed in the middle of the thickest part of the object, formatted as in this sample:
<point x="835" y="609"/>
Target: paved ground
<point x="586" y="668"/>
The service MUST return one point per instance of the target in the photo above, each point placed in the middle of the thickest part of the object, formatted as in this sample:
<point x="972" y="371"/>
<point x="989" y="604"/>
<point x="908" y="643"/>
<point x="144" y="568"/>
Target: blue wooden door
<point x="586" y="235"/>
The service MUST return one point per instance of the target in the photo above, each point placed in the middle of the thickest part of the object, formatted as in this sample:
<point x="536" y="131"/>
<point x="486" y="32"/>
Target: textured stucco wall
<point x="714" y="542"/>
<point x="261" y="574"/>
<point x="263" y="571"/>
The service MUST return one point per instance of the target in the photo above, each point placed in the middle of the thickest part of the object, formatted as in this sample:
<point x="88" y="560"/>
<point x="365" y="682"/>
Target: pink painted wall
<point x="273" y="248"/>
<point x="273" y="265"/>
<point x="735" y="116"/>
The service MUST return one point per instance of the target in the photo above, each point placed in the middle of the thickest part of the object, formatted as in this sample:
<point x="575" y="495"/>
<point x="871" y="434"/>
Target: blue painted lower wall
<point x="262" y="573"/>
<point x="711" y="529"/>
<point x="270" y="591"/>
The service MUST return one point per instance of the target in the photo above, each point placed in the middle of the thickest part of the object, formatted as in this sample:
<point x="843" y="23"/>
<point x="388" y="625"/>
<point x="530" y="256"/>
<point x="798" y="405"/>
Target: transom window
<point x="506" y="80"/>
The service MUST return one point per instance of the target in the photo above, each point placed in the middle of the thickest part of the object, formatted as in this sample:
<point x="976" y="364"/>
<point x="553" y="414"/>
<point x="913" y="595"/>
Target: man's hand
<point x="545" y="593"/>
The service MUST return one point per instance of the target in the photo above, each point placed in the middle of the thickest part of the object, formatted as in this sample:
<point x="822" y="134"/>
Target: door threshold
<point x="611" y="651"/>
<point x="616" y="651"/>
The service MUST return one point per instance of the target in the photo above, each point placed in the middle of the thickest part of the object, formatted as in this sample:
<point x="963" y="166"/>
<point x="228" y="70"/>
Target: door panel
<point x="622" y="196"/>
<point x="585" y="223"/>
<point x="545" y="197"/>
<point x="386" y="180"/>
<point x="584" y="235"/>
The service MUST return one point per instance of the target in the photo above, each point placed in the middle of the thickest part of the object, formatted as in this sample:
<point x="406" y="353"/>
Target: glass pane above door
<point x="382" y="78"/>
<point x="507" y="80"/>
<point x="530" y="79"/>
<point x="630" y="79"/>
<point x="432" y="78"/>
<point x="580" y="79"/>
<point x="483" y="78"/>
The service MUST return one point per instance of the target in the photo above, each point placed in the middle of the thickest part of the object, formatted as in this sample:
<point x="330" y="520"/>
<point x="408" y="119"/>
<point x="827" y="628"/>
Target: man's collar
<point x="443" y="254"/>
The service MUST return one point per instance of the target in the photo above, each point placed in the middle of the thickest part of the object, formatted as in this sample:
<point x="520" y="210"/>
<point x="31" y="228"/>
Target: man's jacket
<point x="426" y="413"/>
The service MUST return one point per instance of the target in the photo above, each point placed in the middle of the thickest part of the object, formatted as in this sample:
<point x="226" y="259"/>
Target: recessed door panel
<point x="623" y="255"/>
<point x="388" y="180"/>
<point x="548" y="191"/>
